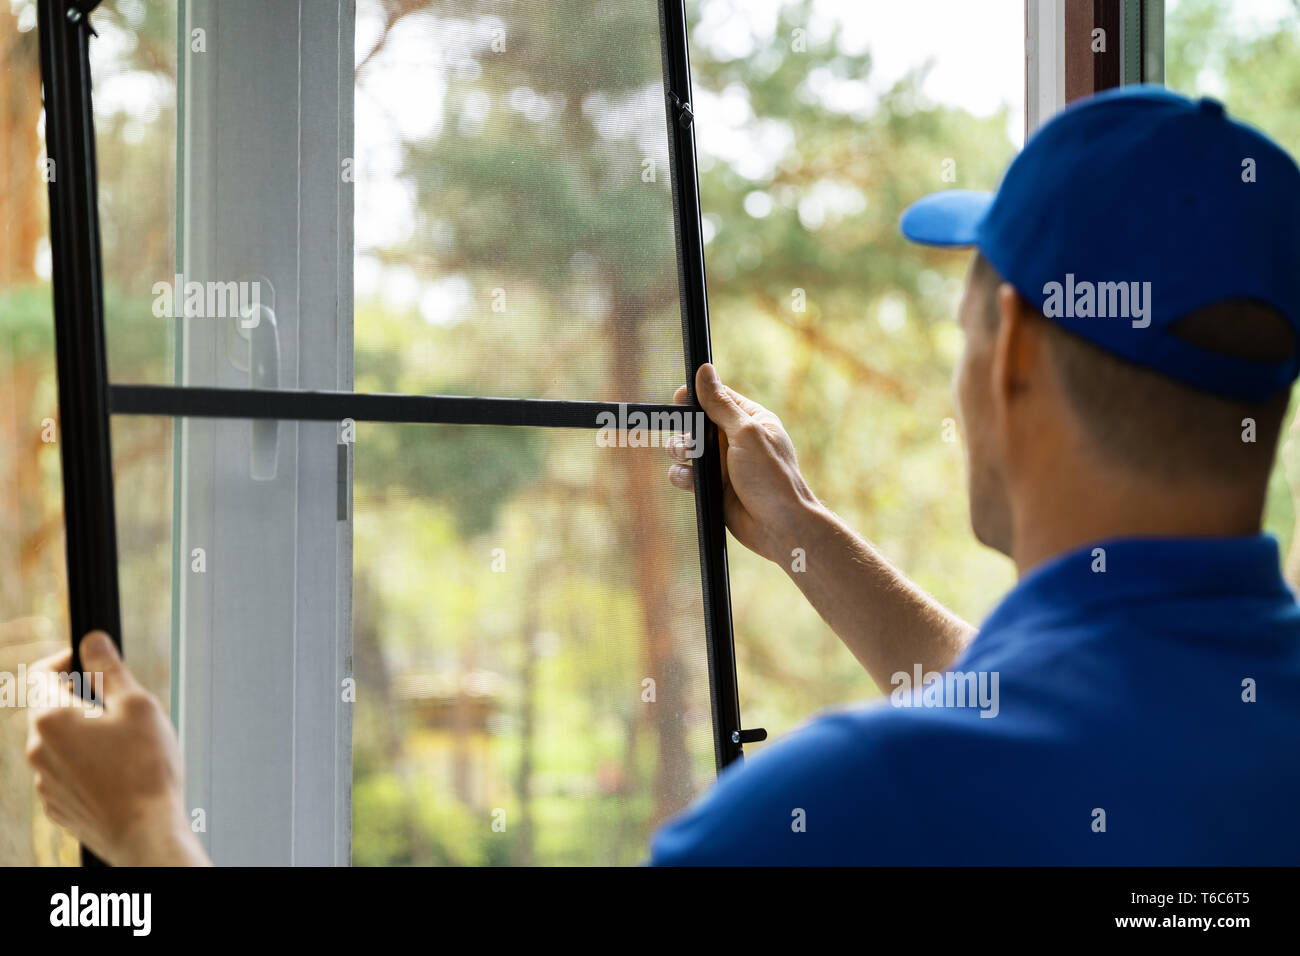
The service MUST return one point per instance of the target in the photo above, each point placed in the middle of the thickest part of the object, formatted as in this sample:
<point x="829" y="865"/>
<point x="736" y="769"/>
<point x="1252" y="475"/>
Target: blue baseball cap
<point x="1130" y="210"/>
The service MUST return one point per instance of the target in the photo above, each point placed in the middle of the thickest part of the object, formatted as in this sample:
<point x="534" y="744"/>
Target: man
<point x="1131" y="318"/>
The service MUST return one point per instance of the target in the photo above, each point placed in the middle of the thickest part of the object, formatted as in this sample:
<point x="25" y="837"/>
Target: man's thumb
<point x="99" y="653"/>
<point x="716" y="400"/>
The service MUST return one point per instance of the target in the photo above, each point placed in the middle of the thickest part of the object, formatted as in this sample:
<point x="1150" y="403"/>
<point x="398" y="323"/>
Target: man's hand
<point x="888" y="623"/>
<point x="765" y="498"/>
<point x="111" y="777"/>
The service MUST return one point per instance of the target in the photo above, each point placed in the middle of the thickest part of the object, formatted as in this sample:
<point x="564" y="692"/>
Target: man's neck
<point x="1081" y="509"/>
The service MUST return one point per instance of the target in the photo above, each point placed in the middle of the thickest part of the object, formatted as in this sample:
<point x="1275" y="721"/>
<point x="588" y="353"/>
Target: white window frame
<point x="265" y="121"/>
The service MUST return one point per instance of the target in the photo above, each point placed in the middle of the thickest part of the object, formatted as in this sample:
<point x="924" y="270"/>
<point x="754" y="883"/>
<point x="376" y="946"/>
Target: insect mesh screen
<point x="514" y="223"/>
<point x="531" y="682"/>
<point x="532" y="685"/>
<point x="490" y="647"/>
<point x="134" y="64"/>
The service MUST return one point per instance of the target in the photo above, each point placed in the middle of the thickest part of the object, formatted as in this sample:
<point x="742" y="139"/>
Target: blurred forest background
<point x="528" y="172"/>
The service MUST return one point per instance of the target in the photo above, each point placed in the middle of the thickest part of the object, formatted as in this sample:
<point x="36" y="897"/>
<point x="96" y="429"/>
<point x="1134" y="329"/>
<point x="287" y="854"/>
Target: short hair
<point x="1156" y="424"/>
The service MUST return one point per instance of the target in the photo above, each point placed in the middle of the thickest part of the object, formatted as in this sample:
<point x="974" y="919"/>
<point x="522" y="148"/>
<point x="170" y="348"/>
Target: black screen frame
<point x="87" y="399"/>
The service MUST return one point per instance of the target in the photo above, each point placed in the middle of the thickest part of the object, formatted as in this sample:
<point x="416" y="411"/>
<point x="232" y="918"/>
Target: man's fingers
<point x="681" y="396"/>
<point x="61" y="806"/>
<point x="681" y="476"/>
<point x="54" y="811"/>
<point x="54" y="664"/>
<point x="47" y="729"/>
<point x="679" y="448"/>
<point x="717" y="400"/>
<point x="47" y="695"/>
<point x="747" y="405"/>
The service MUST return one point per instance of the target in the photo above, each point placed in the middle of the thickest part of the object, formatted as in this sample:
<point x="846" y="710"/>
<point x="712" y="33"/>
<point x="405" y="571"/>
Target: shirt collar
<point x="1143" y="568"/>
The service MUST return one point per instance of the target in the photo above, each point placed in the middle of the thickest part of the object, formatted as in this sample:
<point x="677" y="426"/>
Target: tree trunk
<point x="642" y="516"/>
<point x="20" y="180"/>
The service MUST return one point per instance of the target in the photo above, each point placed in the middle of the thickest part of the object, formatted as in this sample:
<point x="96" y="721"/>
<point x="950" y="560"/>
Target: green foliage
<point x="412" y="822"/>
<point x="1257" y="75"/>
<point x="471" y="476"/>
<point x="27" y="320"/>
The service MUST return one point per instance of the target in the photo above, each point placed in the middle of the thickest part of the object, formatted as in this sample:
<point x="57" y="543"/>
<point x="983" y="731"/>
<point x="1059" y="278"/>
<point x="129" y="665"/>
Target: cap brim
<point x="948" y="218"/>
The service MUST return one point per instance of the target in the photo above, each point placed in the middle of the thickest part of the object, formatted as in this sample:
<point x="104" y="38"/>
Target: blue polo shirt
<point x="1147" y="713"/>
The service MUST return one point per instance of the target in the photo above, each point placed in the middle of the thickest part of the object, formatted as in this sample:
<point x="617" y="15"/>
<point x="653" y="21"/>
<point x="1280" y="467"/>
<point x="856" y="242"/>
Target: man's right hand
<point x="765" y="496"/>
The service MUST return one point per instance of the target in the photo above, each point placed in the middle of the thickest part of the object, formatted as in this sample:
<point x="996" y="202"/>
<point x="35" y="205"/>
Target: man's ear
<point x="1019" y="348"/>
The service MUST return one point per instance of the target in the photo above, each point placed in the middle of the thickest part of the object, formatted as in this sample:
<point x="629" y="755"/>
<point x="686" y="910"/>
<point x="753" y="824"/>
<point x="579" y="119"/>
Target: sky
<point x="977" y="58"/>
